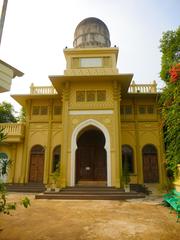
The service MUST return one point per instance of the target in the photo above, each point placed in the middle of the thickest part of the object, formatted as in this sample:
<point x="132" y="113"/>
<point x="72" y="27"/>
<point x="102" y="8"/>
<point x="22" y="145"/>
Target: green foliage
<point x="170" y="48"/>
<point x="26" y="202"/>
<point x="7" y="113"/>
<point x="2" y="135"/>
<point x="22" y="115"/>
<point x="170" y="97"/>
<point x="4" y="206"/>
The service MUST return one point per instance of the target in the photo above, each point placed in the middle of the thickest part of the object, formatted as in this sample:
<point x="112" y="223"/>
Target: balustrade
<point x="12" y="128"/>
<point x="40" y="90"/>
<point x="143" y="88"/>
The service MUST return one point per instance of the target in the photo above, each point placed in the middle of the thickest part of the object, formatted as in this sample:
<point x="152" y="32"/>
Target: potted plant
<point x="48" y="187"/>
<point x="55" y="177"/>
<point x="126" y="177"/>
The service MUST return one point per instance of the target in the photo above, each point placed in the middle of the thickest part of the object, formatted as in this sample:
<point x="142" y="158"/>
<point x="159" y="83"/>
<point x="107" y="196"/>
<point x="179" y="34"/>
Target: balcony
<point x="14" y="131"/>
<point x="143" y="88"/>
<point x="42" y="90"/>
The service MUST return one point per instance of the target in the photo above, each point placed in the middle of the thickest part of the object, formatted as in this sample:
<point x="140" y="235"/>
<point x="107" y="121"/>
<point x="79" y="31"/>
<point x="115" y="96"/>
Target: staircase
<point x="28" y="187"/>
<point x="90" y="193"/>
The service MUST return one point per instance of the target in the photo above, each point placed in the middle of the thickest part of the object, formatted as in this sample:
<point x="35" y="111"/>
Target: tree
<point x="7" y="113"/>
<point x="170" y="97"/>
<point x="22" y="115"/>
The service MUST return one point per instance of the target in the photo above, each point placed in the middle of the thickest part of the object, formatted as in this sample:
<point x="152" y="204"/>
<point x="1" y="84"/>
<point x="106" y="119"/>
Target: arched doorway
<point x="91" y="160"/>
<point x="36" y="170"/>
<point x="150" y="164"/>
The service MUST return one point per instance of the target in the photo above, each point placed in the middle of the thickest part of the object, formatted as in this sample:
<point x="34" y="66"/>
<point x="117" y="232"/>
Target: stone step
<point x="121" y="196"/>
<point x="29" y="187"/>
<point x="92" y="189"/>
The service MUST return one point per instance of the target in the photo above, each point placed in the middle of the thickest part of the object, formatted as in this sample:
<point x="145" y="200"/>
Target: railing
<point x="12" y="128"/>
<point x="143" y="88"/>
<point x="42" y="90"/>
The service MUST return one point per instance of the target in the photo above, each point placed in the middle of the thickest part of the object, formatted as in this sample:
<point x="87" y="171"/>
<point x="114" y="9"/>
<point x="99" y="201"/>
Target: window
<point x="40" y="110"/>
<point x="142" y="109"/>
<point x="44" y="110"/>
<point x="91" y="96"/>
<point x="3" y="164"/>
<point x="150" y="109"/>
<point x="56" y="158"/>
<point x="90" y="62"/>
<point x="37" y="149"/>
<point x="126" y="109"/>
<point x="101" y="95"/>
<point x="149" y="149"/>
<point x="57" y="110"/>
<point x="80" y="96"/>
<point x="36" y="110"/>
<point x="127" y="158"/>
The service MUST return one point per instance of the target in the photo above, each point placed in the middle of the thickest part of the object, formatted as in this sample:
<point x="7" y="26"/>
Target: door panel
<point x="91" y="163"/>
<point x="150" y="168"/>
<point x="36" y="168"/>
<point x="100" y="172"/>
<point x="85" y="165"/>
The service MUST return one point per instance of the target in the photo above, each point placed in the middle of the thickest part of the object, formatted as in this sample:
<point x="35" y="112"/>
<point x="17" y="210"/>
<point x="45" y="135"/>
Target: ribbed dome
<point x="91" y="33"/>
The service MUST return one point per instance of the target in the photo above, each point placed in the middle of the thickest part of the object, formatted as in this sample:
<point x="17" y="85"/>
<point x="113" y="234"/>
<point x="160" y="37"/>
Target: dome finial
<point x="91" y="33"/>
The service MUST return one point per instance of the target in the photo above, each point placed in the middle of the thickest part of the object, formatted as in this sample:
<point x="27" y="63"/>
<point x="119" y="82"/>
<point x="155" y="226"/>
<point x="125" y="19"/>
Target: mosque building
<point x="91" y="121"/>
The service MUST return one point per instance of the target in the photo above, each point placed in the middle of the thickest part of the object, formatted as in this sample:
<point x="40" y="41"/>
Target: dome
<point x="91" y="33"/>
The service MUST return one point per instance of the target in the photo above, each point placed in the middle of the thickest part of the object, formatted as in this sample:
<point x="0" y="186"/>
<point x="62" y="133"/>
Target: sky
<point x="36" y="32"/>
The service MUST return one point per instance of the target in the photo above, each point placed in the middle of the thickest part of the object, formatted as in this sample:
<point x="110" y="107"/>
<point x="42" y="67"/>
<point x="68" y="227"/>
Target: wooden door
<point x="100" y="164"/>
<point x="91" y="157"/>
<point x="91" y="163"/>
<point x="150" y="168"/>
<point x="36" y="172"/>
<point x="85" y="168"/>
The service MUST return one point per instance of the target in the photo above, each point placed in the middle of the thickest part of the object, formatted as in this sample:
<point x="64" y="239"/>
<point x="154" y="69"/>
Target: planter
<point x="48" y="189"/>
<point x="127" y="187"/>
<point x="57" y="189"/>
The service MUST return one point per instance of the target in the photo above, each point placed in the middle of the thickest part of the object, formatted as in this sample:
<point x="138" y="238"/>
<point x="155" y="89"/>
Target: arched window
<point x="56" y="158"/>
<point x="127" y="158"/>
<point x="149" y="149"/>
<point x="3" y="166"/>
<point x="37" y="149"/>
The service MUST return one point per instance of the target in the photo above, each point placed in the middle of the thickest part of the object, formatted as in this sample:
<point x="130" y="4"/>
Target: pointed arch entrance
<point x="91" y="128"/>
<point x="91" y="156"/>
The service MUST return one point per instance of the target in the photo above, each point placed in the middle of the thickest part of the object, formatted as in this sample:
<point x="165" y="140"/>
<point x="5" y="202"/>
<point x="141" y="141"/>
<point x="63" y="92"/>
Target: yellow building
<point x="91" y="120"/>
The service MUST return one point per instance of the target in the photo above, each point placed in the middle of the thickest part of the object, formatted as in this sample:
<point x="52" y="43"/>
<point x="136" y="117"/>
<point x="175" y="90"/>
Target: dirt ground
<point x="89" y="220"/>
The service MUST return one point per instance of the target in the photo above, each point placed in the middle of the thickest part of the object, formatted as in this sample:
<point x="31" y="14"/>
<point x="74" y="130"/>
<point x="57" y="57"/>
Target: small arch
<point x="149" y="149"/>
<point x="36" y="169"/>
<point x="150" y="164"/>
<point x="75" y="134"/>
<point x="128" y="157"/>
<point x="56" y="158"/>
